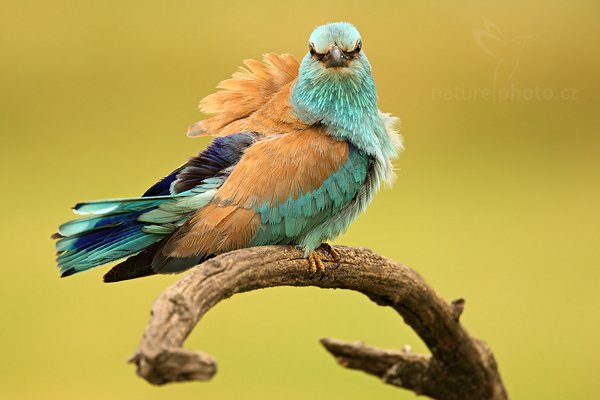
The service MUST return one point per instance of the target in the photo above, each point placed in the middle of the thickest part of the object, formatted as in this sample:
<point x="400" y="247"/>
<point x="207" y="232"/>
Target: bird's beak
<point x="336" y="58"/>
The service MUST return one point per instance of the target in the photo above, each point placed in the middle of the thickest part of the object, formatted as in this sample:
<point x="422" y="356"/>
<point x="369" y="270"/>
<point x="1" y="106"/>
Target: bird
<point x="298" y="151"/>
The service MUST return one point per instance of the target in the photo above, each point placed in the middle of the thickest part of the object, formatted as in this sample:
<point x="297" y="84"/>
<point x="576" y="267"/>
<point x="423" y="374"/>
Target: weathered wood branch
<point x="459" y="367"/>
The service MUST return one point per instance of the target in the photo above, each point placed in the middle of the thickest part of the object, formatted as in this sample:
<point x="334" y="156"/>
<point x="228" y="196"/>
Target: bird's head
<point x="335" y="48"/>
<point x="335" y="85"/>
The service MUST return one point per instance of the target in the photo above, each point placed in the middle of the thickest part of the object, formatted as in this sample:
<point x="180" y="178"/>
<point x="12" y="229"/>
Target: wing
<point x="281" y="188"/>
<point x="118" y="228"/>
<point x="255" y="99"/>
<point x="197" y="182"/>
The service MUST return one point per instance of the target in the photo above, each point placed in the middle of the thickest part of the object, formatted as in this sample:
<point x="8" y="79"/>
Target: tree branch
<point x="459" y="367"/>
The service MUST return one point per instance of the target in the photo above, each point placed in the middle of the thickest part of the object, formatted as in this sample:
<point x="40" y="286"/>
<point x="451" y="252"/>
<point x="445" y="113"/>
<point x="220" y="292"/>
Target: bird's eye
<point x="311" y="48"/>
<point x="358" y="46"/>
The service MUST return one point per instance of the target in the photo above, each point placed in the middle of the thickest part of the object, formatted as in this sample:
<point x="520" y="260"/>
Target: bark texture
<point x="460" y="366"/>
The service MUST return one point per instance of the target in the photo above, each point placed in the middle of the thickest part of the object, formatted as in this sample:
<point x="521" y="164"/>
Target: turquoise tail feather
<point x="110" y="231"/>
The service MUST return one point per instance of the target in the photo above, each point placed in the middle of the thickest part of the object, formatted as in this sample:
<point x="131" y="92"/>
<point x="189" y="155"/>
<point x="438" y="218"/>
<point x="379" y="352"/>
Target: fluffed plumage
<point x="299" y="151"/>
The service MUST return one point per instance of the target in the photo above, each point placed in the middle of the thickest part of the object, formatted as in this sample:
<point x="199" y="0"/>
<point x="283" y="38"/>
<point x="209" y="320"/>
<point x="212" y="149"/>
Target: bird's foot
<point x="335" y="255"/>
<point x="314" y="260"/>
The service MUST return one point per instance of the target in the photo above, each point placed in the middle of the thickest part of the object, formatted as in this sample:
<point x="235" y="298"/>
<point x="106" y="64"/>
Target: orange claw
<point x="315" y="263"/>
<point x="335" y="255"/>
<point x="314" y="260"/>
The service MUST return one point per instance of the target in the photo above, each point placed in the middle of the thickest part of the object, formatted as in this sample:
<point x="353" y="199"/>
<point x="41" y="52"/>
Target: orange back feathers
<point x="284" y="166"/>
<point x="254" y="99"/>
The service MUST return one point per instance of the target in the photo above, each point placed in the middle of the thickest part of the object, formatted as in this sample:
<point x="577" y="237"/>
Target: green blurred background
<point x="497" y="199"/>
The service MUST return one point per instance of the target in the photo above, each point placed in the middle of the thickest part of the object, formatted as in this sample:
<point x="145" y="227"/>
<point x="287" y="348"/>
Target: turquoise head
<point x="337" y="46"/>
<point x="335" y="86"/>
<point x="335" y="55"/>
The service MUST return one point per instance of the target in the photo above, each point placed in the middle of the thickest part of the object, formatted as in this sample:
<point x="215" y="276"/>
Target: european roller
<point x="299" y="151"/>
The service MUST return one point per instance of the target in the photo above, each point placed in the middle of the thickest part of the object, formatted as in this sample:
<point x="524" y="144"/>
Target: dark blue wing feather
<point x="163" y="187"/>
<point x="223" y="153"/>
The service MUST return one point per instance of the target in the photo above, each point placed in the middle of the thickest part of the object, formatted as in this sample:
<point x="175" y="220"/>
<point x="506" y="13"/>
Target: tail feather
<point x="84" y="225"/>
<point x="125" y="246"/>
<point x="74" y="246"/>
<point x="77" y="235"/>
<point x="111" y="231"/>
<point x="135" y="266"/>
<point x="112" y="206"/>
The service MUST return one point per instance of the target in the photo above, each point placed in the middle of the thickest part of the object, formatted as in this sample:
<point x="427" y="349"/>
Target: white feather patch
<point x="391" y="124"/>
